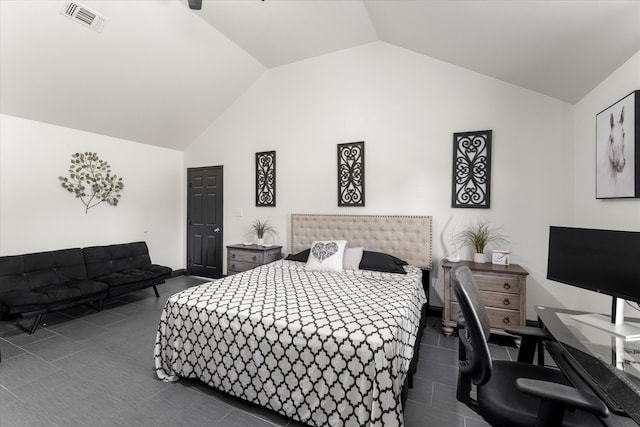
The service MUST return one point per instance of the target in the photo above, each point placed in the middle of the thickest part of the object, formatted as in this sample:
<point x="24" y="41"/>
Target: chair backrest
<point x="476" y="332"/>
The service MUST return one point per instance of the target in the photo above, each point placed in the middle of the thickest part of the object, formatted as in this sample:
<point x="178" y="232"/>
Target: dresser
<point x="245" y="257"/>
<point x="503" y="289"/>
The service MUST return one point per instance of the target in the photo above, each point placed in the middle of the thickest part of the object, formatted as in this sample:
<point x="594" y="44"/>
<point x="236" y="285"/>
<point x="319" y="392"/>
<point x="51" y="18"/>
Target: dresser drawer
<point x="238" y="266"/>
<point x="498" y="318"/>
<point x="245" y="256"/>
<point x="501" y="300"/>
<point x="497" y="283"/>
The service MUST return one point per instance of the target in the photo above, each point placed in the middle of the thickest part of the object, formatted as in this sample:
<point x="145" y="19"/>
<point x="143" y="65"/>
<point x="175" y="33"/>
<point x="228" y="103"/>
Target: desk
<point x="611" y="364"/>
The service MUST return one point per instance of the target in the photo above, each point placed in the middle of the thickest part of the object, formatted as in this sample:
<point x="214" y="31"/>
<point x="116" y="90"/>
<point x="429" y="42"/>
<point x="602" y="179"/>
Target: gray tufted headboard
<point x="406" y="237"/>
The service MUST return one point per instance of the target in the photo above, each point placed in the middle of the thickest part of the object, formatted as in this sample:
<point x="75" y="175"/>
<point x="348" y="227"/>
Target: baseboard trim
<point x="178" y="272"/>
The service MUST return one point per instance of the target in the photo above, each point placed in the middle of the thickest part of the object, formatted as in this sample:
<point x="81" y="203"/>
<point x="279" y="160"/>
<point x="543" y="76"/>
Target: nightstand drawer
<point x="498" y="318"/>
<point x="501" y="300"/>
<point x="497" y="300"/>
<point x="497" y="283"/>
<point x="245" y="257"/>
<point x="238" y="266"/>
<point x="241" y="255"/>
<point x="501" y="319"/>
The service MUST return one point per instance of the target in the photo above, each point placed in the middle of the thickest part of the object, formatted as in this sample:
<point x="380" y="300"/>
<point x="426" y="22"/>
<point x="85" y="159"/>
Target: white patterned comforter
<point x="324" y="348"/>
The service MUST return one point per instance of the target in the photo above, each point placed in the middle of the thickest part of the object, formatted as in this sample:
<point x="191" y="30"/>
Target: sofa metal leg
<point x="156" y="291"/>
<point x="35" y="324"/>
<point x="93" y="305"/>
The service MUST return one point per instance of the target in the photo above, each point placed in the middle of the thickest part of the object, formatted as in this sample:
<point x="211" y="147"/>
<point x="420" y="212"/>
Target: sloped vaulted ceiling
<point x="160" y="73"/>
<point x="156" y="74"/>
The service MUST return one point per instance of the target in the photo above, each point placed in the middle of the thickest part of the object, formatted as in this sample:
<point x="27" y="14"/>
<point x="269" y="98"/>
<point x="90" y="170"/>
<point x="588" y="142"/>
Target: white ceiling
<point x="160" y="73"/>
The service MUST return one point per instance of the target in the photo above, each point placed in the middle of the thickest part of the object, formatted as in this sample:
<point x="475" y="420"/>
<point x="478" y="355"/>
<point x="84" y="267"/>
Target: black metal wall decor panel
<point x="471" y="186"/>
<point x="351" y="174"/>
<point x="266" y="178"/>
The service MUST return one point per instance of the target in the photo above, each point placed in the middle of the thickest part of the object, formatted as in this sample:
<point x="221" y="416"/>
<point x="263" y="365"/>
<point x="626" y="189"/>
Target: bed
<point x="323" y="347"/>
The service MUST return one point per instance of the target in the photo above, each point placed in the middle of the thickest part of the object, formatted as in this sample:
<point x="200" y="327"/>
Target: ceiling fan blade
<point x="195" y="4"/>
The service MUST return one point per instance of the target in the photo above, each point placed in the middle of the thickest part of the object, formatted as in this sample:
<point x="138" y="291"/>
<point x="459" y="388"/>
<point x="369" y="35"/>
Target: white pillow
<point x="326" y="255"/>
<point x="352" y="258"/>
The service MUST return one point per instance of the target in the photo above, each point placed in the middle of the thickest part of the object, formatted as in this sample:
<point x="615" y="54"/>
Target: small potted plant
<point x="261" y="228"/>
<point x="478" y="236"/>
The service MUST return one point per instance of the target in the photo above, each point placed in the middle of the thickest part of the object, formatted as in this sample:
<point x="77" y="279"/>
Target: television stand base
<point x="626" y="330"/>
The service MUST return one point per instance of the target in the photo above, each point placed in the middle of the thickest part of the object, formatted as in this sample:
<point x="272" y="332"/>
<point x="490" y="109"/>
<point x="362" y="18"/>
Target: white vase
<point x="480" y="258"/>
<point x="260" y="241"/>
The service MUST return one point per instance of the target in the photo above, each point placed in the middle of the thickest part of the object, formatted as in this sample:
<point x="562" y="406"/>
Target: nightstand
<point x="503" y="289"/>
<point x="245" y="257"/>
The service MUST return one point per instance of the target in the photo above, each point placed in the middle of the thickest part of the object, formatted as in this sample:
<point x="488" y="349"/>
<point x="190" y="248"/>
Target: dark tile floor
<point x="85" y="368"/>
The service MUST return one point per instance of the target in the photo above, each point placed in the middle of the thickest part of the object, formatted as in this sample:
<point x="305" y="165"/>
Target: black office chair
<point x="512" y="393"/>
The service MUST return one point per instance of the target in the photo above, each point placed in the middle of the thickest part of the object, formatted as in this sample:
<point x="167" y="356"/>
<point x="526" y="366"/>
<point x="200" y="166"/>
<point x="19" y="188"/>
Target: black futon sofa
<point x="125" y="267"/>
<point x="33" y="284"/>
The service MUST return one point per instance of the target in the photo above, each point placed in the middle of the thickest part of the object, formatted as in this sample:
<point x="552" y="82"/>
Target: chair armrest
<point x="563" y="394"/>
<point x="530" y="331"/>
<point x="532" y="338"/>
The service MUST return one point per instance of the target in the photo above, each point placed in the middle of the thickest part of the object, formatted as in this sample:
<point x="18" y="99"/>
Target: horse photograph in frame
<point x="618" y="149"/>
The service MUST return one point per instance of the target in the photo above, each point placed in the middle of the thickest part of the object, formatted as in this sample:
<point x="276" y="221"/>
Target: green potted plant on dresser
<point x="478" y="236"/>
<point x="260" y="228"/>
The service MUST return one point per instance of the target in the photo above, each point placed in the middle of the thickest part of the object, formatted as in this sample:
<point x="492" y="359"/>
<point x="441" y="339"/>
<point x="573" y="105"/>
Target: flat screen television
<point x="604" y="261"/>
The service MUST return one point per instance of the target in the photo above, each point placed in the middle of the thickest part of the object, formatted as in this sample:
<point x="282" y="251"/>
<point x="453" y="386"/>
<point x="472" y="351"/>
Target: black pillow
<point x="300" y="256"/>
<point x="378" y="261"/>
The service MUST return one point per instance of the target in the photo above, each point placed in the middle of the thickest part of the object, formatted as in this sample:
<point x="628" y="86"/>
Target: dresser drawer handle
<point x="255" y="257"/>
<point x="506" y="301"/>
<point x="233" y="256"/>
<point x="506" y="321"/>
<point x="233" y="266"/>
<point x="507" y="286"/>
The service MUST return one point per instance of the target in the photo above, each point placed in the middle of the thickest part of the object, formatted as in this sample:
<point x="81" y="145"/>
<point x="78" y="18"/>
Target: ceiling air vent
<point x="82" y="15"/>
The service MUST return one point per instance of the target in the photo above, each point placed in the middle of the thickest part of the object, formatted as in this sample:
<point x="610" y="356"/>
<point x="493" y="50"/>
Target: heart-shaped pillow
<point x="322" y="251"/>
<point x="326" y="255"/>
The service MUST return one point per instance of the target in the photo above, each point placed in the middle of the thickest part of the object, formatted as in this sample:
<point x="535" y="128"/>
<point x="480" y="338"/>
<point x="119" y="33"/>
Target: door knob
<point x="216" y="230"/>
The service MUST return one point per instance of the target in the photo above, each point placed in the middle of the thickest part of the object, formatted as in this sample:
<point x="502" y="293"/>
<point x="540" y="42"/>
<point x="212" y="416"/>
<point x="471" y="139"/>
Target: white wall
<point x="406" y="107"/>
<point x="37" y="214"/>
<point x="614" y="214"/>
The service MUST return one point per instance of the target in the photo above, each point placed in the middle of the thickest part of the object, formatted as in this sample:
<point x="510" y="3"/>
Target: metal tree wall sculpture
<point x="91" y="181"/>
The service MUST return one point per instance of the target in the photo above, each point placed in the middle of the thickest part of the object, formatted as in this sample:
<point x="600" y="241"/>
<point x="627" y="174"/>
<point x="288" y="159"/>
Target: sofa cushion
<point x="159" y="271"/>
<point x="44" y="269"/>
<point x="136" y="256"/>
<point x="11" y="274"/>
<point x="125" y="277"/>
<point x="74" y="290"/>
<point x="104" y="260"/>
<point x="97" y="260"/>
<point x="19" y="301"/>
<point x="69" y="264"/>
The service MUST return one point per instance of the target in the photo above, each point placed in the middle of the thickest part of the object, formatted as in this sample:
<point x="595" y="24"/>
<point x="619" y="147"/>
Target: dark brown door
<point x="204" y="221"/>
